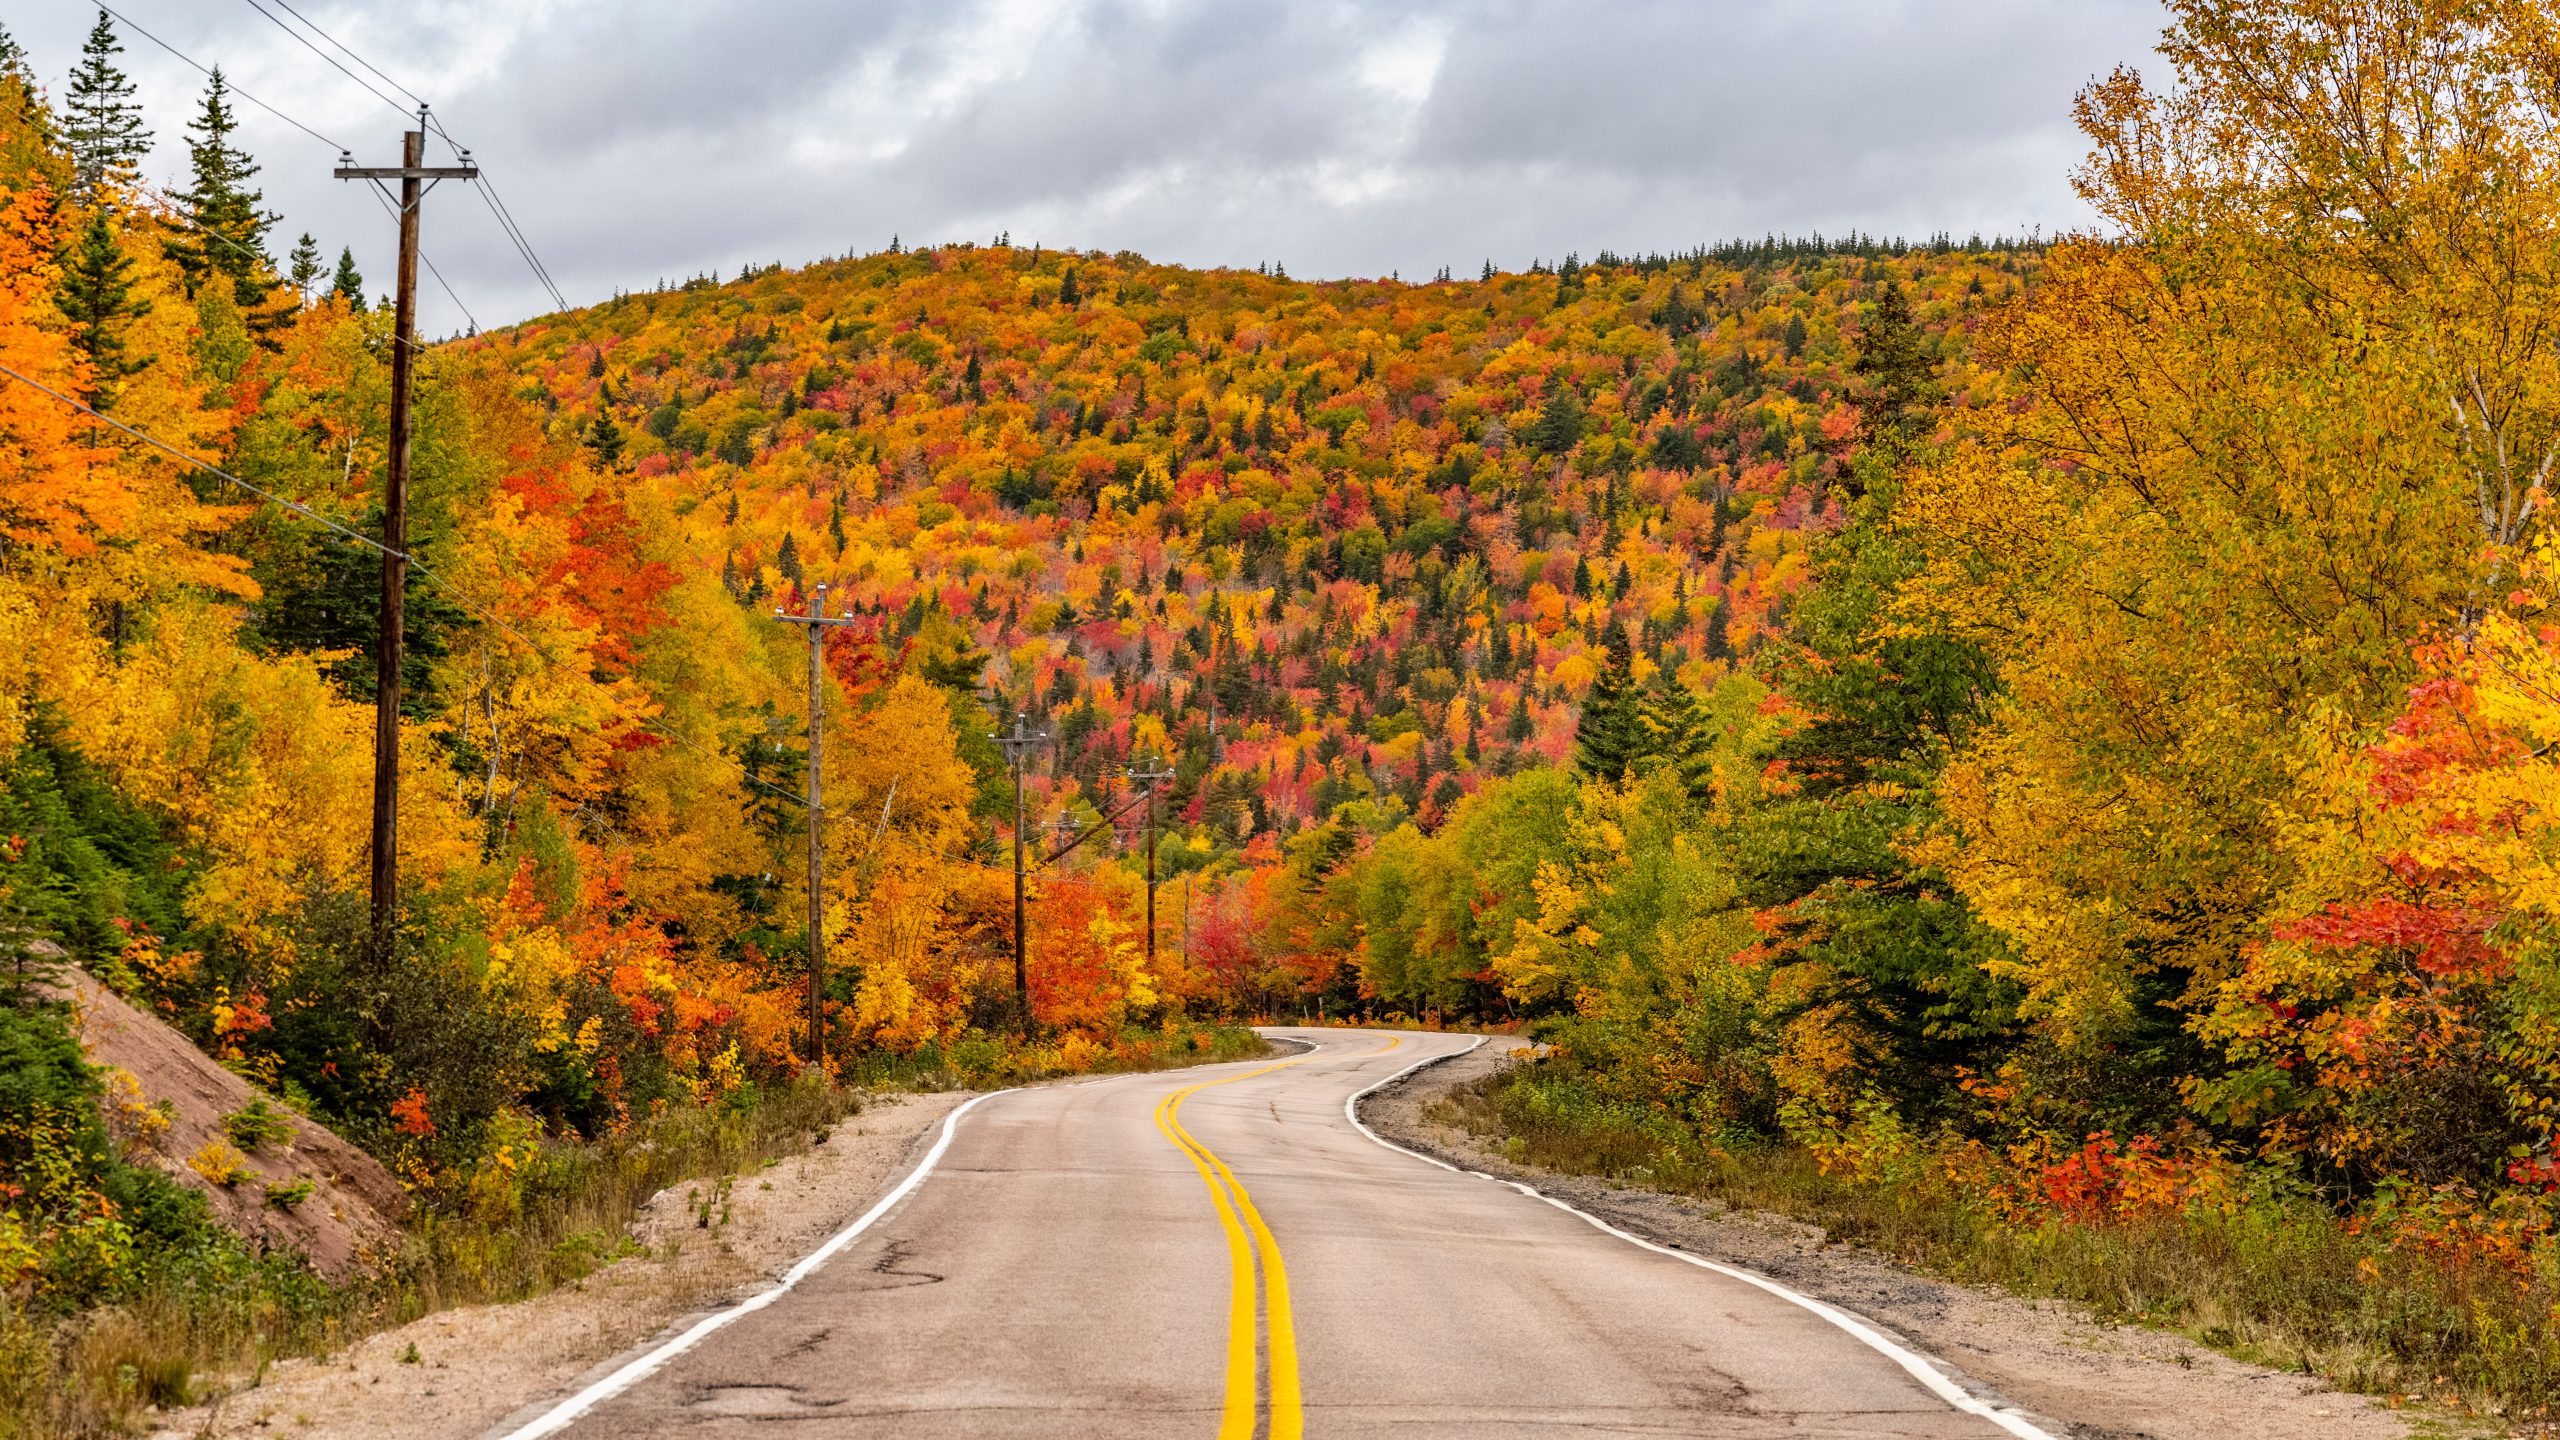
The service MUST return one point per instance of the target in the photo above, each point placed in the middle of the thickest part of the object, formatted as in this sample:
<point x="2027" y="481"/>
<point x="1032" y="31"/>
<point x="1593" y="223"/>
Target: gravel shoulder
<point x="2106" y="1382"/>
<point x="459" y="1372"/>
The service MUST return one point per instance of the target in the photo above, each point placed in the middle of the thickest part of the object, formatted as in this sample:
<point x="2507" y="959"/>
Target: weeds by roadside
<point x="214" y="1315"/>
<point x="2277" y="1279"/>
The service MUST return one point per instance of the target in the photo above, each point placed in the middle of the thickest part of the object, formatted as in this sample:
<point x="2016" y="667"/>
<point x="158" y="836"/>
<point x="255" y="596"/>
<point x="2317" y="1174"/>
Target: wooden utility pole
<point x="1016" y="747"/>
<point x="818" y="621"/>
<point x="1149" y="778"/>
<point x="416" y="177"/>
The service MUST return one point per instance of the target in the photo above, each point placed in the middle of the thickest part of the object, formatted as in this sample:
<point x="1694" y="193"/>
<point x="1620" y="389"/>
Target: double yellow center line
<point x="1246" y="1234"/>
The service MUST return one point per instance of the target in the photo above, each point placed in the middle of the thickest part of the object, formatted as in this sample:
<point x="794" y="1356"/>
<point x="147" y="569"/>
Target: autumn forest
<point x="2050" y="739"/>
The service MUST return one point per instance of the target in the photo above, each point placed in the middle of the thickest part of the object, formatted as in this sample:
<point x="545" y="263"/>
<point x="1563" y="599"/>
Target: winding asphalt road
<point x="1221" y="1252"/>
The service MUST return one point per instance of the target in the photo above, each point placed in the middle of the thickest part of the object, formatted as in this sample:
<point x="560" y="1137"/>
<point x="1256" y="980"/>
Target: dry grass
<point x="2279" y="1282"/>
<point x="227" y="1314"/>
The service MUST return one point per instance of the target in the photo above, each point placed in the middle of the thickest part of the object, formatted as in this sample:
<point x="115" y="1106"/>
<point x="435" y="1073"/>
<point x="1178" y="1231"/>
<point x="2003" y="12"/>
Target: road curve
<point x="1220" y="1252"/>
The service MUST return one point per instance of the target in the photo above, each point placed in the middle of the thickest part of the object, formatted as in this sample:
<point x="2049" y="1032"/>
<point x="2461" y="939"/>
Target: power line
<point x="488" y="191"/>
<point x="325" y="55"/>
<point x="350" y="54"/>
<point x="461" y="601"/>
<point x="394" y="212"/>
<point x="188" y="221"/>
<point x="507" y="222"/>
<point x="234" y="89"/>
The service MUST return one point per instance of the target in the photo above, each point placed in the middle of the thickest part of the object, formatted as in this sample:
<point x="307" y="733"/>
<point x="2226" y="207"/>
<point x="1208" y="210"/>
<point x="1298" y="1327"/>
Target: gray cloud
<point x="640" y="139"/>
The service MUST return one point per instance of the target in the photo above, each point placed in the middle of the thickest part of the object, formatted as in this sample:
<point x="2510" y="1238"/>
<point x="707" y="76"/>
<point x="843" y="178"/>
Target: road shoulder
<point x="2110" y="1382"/>
<point x="459" y="1372"/>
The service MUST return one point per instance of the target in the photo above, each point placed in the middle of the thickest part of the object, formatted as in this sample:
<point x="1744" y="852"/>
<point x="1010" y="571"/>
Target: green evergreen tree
<point x="786" y="561"/>
<point x="1679" y="733"/>
<point x="1898" y="377"/>
<point x="96" y="296"/>
<point x="1886" y="939"/>
<point x="102" y="122"/>
<point x="1068" y="294"/>
<point x="348" y="283"/>
<point x="1610" y="737"/>
<point x="605" y="439"/>
<point x="228" y="241"/>
<point x="1719" y="622"/>
<point x="302" y="267"/>
<point x="1558" y="428"/>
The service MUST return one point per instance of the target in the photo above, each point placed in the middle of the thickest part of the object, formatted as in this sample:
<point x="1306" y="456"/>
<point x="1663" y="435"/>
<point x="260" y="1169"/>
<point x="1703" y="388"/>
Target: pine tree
<point x="221" y="204"/>
<point x="302" y="267"/>
<point x="1068" y="295"/>
<point x="1680" y="734"/>
<point x="786" y="562"/>
<point x="605" y="438"/>
<point x="1610" y="737"/>
<point x="1558" y="428"/>
<point x="1719" y="643"/>
<point x="96" y="296"/>
<point x="1899" y="377"/>
<point x="102" y="122"/>
<point x="348" y="284"/>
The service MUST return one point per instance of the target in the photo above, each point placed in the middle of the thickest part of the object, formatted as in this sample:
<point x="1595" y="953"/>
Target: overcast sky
<point x="635" y="139"/>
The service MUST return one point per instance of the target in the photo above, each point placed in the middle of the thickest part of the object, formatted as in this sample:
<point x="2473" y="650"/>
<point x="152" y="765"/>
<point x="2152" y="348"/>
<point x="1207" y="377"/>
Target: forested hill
<point x="1310" y="540"/>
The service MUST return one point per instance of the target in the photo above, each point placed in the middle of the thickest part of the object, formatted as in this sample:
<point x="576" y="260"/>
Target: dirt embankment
<point x="2108" y="1382"/>
<point x="168" y="1101"/>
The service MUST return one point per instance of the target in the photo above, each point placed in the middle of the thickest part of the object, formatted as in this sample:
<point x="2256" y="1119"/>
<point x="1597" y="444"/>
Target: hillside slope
<point x="1312" y="541"/>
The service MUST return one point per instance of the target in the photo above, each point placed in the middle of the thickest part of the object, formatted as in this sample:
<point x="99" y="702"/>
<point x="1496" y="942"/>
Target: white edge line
<point x="560" y="1416"/>
<point x="1918" y="1366"/>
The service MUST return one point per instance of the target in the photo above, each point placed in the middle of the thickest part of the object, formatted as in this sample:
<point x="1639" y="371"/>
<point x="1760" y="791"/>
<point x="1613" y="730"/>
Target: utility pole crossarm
<point x="407" y="172"/>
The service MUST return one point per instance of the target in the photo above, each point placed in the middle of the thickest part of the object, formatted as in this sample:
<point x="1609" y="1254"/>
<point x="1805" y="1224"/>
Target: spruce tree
<point x="96" y="296"/>
<point x="1610" y="738"/>
<point x="302" y="267"/>
<point x="605" y="439"/>
<point x="348" y="284"/>
<point x="786" y="562"/>
<point x="221" y="204"/>
<point x="1898" y="378"/>
<point x="1680" y="734"/>
<point x="102" y="122"/>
